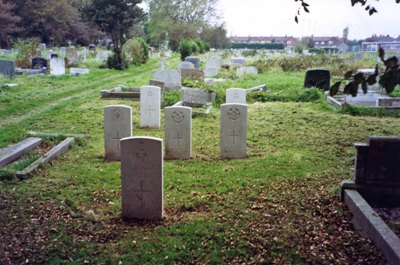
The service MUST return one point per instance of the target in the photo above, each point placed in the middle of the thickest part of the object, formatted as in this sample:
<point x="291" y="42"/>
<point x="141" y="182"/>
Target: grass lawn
<point x="279" y="205"/>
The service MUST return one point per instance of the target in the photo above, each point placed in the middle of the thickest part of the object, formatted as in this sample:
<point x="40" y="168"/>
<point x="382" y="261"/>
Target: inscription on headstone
<point x="150" y="107"/>
<point x="236" y="95"/>
<point x="178" y="132"/>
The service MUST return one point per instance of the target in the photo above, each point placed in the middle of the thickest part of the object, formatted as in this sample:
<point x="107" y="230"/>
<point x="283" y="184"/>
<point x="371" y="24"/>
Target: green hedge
<point x="267" y="46"/>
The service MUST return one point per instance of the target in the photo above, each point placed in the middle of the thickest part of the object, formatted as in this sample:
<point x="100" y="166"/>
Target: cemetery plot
<point x="122" y="92"/>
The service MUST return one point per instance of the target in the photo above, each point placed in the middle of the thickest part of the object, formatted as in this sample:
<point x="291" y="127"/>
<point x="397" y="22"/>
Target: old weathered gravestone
<point x="7" y="68"/>
<point x="171" y="78"/>
<point x="246" y="70"/>
<point x="319" y="78"/>
<point x="160" y="84"/>
<point x="150" y="107"/>
<point x="213" y="62"/>
<point x="194" y="60"/>
<point x="238" y="61"/>
<point x="117" y="125"/>
<point x="71" y="55"/>
<point x="142" y="178"/>
<point x="185" y="65"/>
<point x="57" y="66"/>
<point x="178" y="132"/>
<point x="78" y="71"/>
<point x="211" y="72"/>
<point x="39" y="63"/>
<point x="236" y="95"/>
<point x="195" y="97"/>
<point x="192" y="74"/>
<point x="233" y="131"/>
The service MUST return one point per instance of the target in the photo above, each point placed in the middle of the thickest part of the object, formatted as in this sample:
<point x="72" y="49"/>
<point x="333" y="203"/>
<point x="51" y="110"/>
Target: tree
<point x="114" y="17"/>
<point x="8" y="23"/>
<point x="215" y="36"/>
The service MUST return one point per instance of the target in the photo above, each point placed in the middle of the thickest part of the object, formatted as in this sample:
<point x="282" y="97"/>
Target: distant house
<point x="388" y="43"/>
<point x="287" y="41"/>
<point x="330" y="44"/>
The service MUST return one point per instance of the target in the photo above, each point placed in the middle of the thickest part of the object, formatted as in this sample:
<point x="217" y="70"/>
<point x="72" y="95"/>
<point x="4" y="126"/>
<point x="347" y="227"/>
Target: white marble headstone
<point x="233" y="131"/>
<point x="117" y="125"/>
<point x="178" y="132"/>
<point x="150" y="107"/>
<point x="185" y="65"/>
<point x="142" y="178"/>
<point x="57" y="66"/>
<point x="236" y="95"/>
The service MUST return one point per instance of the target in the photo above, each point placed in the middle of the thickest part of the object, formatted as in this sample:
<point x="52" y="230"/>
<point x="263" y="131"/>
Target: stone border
<point x="15" y="151"/>
<point x="121" y="92"/>
<point x="45" y="159"/>
<point x="257" y="88"/>
<point x="49" y="134"/>
<point x="373" y="226"/>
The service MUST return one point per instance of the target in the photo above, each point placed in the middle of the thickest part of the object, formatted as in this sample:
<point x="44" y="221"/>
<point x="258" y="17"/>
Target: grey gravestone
<point x="63" y="50"/>
<point x="150" y="107"/>
<point x="117" y="125"/>
<point x="319" y="78"/>
<point x="185" y="65"/>
<point x="236" y="95"/>
<point x="389" y="102"/>
<point x="142" y="178"/>
<point x="7" y="68"/>
<point x="171" y="78"/>
<point x="233" y="131"/>
<point x="158" y="83"/>
<point x="246" y="70"/>
<point x="211" y="72"/>
<point x="178" y="132"/>
<point x="377" y="163"/>
<point x="102" y="56"/>
<point x="238" y="61"/>
<point x="213" y="62"/>
<point x="194" y="60"/>
<point x="192" y="74"/>
<point x="39" y="63"/>
<point x="72" y="56"/>
<point x="57" y="66"/>
<point x="78" y="71"/>
<point x="195" y="97"/>
<point x="29" y="72"/>
<point x="42" y="46"/>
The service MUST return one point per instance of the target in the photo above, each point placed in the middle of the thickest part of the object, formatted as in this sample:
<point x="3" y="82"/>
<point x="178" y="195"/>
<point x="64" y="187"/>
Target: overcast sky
<point x="326" y="18"/>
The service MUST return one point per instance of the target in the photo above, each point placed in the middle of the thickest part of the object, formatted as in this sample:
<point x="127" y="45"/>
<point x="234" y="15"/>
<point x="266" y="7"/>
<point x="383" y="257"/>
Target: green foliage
<point x="8" y="172"/>
<point x="249" y="53"/>
<point x="305" y="95"/>
<point x="136" y="51"/>
<point x="267" y="46"/>
<point x="117" y="61"/>
<point x="27" y="49"/>
<point x="145" y="50"/>
<point x="171" y="97"/>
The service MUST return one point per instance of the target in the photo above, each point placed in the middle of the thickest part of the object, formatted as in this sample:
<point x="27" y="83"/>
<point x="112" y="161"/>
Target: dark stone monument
<point x="319" y="78"/>
<point x="7" y="68"/>
<point x="39" y="63"/>
<point x="194" y="60"/>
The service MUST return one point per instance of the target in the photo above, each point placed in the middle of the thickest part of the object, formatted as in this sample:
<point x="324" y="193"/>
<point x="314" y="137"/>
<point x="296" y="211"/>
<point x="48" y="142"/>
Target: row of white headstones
<point x="142" y="157"/>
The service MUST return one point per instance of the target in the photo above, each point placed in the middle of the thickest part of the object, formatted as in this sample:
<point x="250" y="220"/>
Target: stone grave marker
<point x="319" y="78"/>
<point x="163" y="64"/>
<point x="171" y="78"/>
<point x="238" y="61"/>
<point x="117" y="125"/>
<point x="7" y="68"/>
<point x="192" y="74"/>
<point x="78" y="71"/>
<point x="377" y="162"/>
<point x="185" y="65"/>
<point x="63" y="50"/>
<point x="236" y="95"/>
<point x="246" y="70"/>
<point x="158" y="83"/>
<point x="196" y="97"/>
<point x="211" y="72"/>
<point x="233" y="132"/>
<point x="388" y="102"/>
<point x="178" y="132"/>
<point x="150" y="107"/>
<point x="42" y="46"/>
<point x="142" y="178"/>
<point x="194" y="60"/>
<point x="72" y="56"/>
<point x="213" y="62"/>
<point x="39" y="63"/>
<point x="57" y="66"/>
<point x="102" y="56"/>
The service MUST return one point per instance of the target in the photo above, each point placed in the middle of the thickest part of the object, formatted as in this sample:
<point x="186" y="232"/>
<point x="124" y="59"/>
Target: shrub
<point x="136" y="51"/>
<point x="27" y="49"/>
<point x="185" y="48"/>
<point x="116" y="62"/>
<point x="267" y="46"/>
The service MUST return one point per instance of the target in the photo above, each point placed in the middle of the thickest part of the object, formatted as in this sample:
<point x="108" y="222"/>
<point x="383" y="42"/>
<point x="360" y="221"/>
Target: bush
<point x="267" y="46"/>
<point x="185" y="49"/>
<point x="117" y="61"/>
<point x="27" y="49"/>
<point x="136" y="51"/>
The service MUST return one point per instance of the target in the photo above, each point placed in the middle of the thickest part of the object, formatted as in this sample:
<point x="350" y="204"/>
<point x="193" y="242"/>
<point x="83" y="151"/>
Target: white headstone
<point x="213" y="62"/>
<point x="150" y="107"/>
<point x="185" y="65"/>
<point x="57" y="66"/>
<point x="211" y="72"/>
<point x="233" y="131"/>
<point x="236" y="95"/>
<point x="142" y="178"/>
<point x="171" y="78"/>
<point x="178" y="132"/>
<point x="117" y="125"/>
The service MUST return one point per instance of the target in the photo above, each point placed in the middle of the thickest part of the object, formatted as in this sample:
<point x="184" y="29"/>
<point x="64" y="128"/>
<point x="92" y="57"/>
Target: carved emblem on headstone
<point x="233" y="114"/>
<point x="178" y="116"/>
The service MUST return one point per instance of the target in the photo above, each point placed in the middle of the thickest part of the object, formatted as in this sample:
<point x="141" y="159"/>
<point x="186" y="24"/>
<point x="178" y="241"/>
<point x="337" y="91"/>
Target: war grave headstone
<point x="238" y="61"/>
<point x="71" y="55"/>
<point x="142" y="180"/>
<point x="192" y="74"/>
<point x="194" y="60"/>
<point x="185" y="65"/>
<point x="246" y="70"/>
<point x="233" y="131"/>
<point x="196" y="97"/>
<point x="7" y="68"/>
<point x="117" y="125"/>
<point x="57" y="66"/>
<point x="319" y="78"/>
<point x="39" y="63"/>
<point x="150" y="107"/>
<point x="171" y="78"/>
<point x="178" y="132"/>
<point x="236" y="95"/>
<point x="78" y="71"/>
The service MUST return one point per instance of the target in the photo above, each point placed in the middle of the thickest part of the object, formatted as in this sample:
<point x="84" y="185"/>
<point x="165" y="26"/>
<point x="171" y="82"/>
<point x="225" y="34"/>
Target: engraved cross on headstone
<point x="140" y="192"/>
<point x="117" y="138"/>
<point x="177" y="138"/>
<point x="234" y="135"/>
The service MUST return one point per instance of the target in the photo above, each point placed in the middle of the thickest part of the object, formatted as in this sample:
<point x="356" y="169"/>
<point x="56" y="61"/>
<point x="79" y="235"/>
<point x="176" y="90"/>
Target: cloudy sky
<point x="326" y="18"/>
